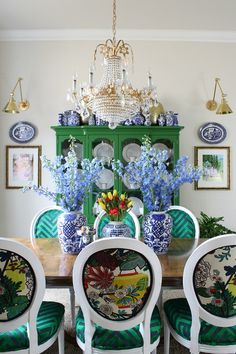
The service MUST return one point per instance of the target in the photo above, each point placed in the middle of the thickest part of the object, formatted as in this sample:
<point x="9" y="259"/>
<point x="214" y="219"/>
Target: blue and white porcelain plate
<point x="212" y="133"/>
<point x="22" y="132"/>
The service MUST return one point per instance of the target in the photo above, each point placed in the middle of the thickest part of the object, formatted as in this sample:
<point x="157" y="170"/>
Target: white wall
<point x="184" y="73"/>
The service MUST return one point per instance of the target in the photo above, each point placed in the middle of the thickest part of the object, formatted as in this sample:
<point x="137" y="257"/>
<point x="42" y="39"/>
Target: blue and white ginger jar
<point x="116" y="229"/>
<point x="157" y="228"/>
<point x="68" y="224"/>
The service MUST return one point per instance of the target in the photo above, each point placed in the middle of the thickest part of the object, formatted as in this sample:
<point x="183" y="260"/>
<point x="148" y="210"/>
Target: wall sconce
<point x="223" y="106"/>
<point x="12" y="106"/>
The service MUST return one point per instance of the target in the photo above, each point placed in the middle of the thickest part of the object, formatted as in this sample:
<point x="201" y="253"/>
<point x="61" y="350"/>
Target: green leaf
<point x="133" y="261"/>
<point x="142" y="283"/>
<point x="202" y="292"/>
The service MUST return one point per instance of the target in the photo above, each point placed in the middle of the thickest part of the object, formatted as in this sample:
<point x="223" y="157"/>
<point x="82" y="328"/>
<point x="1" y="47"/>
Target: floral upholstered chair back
<point x="121" y="278"/>
<point x="19" y="275"/>
<point x="117" y="282"/>
<point x="211" y="271"/>
<point x="17" y="285"/>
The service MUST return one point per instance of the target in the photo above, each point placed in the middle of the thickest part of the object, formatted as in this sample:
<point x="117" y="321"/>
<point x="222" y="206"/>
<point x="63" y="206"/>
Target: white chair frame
<point x="143" y="317"/>
<point x="134" y="217"/>
<point x="32" y="238"/>
<point x="197" y="311"/>
<point x="30" y="315"/>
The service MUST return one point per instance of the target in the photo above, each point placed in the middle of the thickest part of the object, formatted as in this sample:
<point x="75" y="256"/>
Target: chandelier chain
<point x="114" y="22"/>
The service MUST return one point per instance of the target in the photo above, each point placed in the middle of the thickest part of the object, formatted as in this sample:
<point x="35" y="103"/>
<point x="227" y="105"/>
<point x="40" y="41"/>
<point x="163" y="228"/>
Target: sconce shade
<point x="224" y="107"/>
<point x="11" y="106"/>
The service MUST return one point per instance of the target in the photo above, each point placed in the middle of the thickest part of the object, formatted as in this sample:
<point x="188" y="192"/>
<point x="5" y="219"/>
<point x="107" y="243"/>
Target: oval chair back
<point x="22" y="312"/>
<point x="117" y="281"/>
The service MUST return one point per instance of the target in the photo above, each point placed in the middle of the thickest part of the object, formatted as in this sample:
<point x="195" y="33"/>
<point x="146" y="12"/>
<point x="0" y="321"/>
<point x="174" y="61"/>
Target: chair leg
<point x="166" y="338"/>
<point x="72" y="306"/>
<point x="61" y="339"/>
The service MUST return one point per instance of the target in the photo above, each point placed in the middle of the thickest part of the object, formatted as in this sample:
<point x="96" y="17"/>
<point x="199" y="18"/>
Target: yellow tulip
<point x="104" y="195"/>
<point x="110" y="196"/>
<point x="130" y="204"/>
<point x="102" y="205"/>
<point x="115" y="193"/>
<point x="122" y="197"/>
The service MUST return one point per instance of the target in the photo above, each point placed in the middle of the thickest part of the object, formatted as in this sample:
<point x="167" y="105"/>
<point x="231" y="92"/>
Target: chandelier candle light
<point x="114" y="99"/>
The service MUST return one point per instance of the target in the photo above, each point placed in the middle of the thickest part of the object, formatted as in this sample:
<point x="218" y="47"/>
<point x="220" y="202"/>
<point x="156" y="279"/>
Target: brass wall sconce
<point x="223" y="107"/>
<point x="12" y="106"/>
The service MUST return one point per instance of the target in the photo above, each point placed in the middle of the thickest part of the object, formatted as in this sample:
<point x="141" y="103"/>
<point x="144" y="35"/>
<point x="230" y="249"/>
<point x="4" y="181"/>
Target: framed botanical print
<point x="23" y="166"/>
<point x="215" y="165"/>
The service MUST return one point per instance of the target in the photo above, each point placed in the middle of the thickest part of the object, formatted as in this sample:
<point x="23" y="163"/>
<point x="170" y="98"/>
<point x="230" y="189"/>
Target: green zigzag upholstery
<point x="179" y="316"/>
<point x="46" y="225"/>
<point x="48" y="322"/>
<point x="128" y="220"/>
<point x="183" y="226"/>
<point x="104" y="339"/>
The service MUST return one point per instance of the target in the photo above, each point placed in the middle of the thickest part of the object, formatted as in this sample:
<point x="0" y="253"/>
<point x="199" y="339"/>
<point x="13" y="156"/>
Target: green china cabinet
<point x="123" y="143"/>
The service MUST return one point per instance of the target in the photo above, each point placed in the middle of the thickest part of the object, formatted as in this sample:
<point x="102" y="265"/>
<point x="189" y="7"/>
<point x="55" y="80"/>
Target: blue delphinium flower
<point x="72" y="179"/>
<point x="156" y="182"/>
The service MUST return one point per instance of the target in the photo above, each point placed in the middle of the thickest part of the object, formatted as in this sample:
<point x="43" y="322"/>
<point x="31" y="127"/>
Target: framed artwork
<point x="23" y="166"/>
<point x="215" y="164"/>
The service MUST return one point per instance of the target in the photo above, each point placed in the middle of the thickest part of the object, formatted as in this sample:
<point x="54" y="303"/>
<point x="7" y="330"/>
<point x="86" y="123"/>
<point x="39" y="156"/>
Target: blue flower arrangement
<point x="150" y="173"/>
<point x="72" y="183"/>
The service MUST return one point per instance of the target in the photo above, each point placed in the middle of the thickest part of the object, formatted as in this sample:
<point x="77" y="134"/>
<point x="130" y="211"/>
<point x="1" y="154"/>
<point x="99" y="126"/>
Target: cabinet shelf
<point x="90" y="136"/>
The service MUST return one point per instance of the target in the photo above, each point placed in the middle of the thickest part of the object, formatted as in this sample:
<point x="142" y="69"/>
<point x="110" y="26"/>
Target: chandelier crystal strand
<point x="114" y="100"/>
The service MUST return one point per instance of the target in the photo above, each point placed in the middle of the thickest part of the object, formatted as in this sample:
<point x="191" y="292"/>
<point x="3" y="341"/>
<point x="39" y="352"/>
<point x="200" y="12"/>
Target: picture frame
<point x="215" y="164"/>
<point x="23" y="166"/>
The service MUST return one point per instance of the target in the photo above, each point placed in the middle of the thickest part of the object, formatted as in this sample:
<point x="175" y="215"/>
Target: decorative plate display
<point x="137" y="207"/>
<point x="212" y="133"/>
<point x="106" y="180"/>
<point x="131" y="152"/>
<point x="103" y="151"/>
<point x="22" y="132"/>
<point x="162" y="147"/>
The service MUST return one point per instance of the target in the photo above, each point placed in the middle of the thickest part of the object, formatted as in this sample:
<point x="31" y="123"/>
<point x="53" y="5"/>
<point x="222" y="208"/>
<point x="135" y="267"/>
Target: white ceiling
<point x="205" y="15"/>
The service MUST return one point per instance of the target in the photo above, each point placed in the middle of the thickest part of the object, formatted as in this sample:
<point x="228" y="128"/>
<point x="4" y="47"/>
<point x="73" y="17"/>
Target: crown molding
<point x="137" y="35"/>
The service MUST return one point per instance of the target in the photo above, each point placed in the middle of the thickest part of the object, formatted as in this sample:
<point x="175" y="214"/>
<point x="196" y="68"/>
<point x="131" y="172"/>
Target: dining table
<point x="58" y="266"/>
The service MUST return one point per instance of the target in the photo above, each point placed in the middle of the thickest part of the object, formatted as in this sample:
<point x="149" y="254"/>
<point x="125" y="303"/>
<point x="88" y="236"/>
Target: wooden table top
<point x="58" y="266"/>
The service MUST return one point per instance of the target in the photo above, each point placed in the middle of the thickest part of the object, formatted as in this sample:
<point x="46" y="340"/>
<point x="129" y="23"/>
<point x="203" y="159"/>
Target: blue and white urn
<point x="157" y="228"/>
<point x="68" y="224"/>
<point x="116" y="229"/>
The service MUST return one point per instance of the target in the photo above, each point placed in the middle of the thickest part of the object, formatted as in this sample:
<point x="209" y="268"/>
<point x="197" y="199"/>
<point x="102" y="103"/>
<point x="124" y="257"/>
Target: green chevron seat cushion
<point x="46" y="225"/>
<point x="128" y="220"/>
<point x="183" y="225"/>
<point x="105" y="339"/>
<point x="48" y="322"/>
<point x="179" y="316"/>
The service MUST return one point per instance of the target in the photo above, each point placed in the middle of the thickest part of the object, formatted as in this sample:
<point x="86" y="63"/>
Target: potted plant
<point x="73" y="181"/>
<point x="116" y="207"/>
<point x="158" y="184"/>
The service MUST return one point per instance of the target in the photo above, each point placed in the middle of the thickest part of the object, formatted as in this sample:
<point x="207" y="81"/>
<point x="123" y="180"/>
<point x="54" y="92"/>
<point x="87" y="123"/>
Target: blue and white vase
<point x="157" y="228"/>
<point x="116" y="229"/>
<point x="68" y="224"/>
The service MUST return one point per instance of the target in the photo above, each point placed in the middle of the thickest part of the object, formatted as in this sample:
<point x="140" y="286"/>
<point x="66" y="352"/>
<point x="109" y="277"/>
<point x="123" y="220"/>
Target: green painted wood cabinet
<point x="123" y="141"/>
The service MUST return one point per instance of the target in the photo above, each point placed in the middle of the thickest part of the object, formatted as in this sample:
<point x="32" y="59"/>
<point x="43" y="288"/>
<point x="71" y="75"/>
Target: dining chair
<point x="44" y="225"/>
<point x="205" y="321"/>
<point x="117" y="281"/>
<point x="28" y="325"/>
<point x="130" y="219"/>
<point x="185" y="223"/>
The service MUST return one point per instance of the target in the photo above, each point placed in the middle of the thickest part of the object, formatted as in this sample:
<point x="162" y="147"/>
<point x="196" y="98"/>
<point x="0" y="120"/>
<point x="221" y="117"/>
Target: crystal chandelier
<point x="114" y="100"/>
